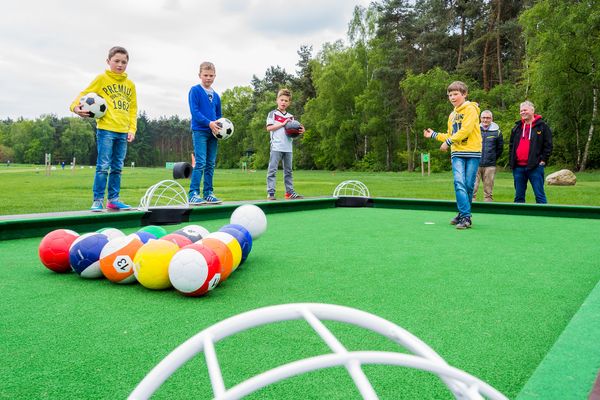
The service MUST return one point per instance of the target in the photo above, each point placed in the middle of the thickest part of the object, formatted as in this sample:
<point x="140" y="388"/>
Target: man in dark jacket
<point x="491" y="150"/>
<point x="530" y="149"/>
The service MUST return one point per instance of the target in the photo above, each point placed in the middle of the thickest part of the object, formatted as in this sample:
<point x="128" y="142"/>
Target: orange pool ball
<point x="223" y="253"/>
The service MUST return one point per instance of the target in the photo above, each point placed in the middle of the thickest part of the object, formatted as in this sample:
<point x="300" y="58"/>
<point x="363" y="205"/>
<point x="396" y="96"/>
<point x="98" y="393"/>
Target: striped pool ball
<point x="243" y="237"/>
<point x="84" y="254"/>
<point x="116" y="258"/>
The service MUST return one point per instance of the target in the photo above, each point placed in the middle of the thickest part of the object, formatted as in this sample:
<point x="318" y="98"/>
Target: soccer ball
<point x="84" y="254"/>
<point x="116" y="258"/>
<point x="151" y="263"/>
<point x="195" y="270"/>
<point x="292" y="129"/>
<point x="193" y="232"/>
<point x="232" y="244"/>
<point x="250" y="217"/>
<point x="54" y="249"/>
<point x="225" y="129"/>
<point x="94" y="104"/>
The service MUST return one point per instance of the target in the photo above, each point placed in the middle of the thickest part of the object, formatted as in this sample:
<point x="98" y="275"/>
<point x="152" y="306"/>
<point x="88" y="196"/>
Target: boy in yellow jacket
<point x="114" y="129"/>
<point x="464" y="140"/>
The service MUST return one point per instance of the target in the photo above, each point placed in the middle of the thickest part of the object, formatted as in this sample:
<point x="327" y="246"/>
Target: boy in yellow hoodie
<point x="114" y="129"/>
<point x="464" y="140"/>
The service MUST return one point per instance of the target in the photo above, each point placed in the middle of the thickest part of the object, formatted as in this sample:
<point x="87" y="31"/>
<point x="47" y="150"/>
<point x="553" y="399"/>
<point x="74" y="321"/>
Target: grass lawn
<point x="26" y="189"/>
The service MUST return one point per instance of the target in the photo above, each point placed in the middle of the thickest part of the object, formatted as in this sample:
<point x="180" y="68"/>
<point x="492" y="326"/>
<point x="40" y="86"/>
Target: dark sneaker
<point x="455" y="220"/>
<point x="211" y="199"/>
<point x="464" y="223"/>
<point x="271" y="197"/>
<point x="293" y="196"/>
<point x="117" y="205"/>
<point x="196" y="200"/>
<point x="97" y="206"/>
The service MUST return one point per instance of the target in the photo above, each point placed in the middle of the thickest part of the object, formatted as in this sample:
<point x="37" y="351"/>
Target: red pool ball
<point x="54" y="249"/>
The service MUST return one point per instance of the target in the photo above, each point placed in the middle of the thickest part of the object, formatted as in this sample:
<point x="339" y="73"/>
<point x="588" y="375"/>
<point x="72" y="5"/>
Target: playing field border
<point x="568" y="369"/>
<point x="32" y="225"/>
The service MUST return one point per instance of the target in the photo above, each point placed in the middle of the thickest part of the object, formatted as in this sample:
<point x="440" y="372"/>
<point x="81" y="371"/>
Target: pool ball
<point x="116" y="258"/>
<point x="156" y="230"/>
<point x="193" y="232"/>
<point x="151" y="263"/>
<point x="84" y="254"/>
<point x="178" y="239"/>
<point x="223" y="253"/>
<point x="250" y="217"/>
<point x="54" y="249"/>
<point x="233" y="245"/>
<point x="195" y="270"/>
<point x="243" y="237"/>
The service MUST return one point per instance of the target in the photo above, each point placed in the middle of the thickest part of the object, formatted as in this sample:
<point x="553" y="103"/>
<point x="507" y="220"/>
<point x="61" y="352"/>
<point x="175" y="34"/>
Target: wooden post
<point x="425" y="159"/>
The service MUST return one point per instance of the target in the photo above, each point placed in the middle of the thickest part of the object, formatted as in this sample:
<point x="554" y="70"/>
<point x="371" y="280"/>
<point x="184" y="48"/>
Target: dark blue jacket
<point x="540" y="147"/>
<point x="202" y="110"/>
<point x="492" y="145"/>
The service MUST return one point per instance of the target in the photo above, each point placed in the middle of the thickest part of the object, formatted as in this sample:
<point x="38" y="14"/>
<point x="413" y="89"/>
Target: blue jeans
<point x="205" y="153"/>
<point x="464" y="170"/>
<point x="536" y="176"/>
<point x="112" y="149"/>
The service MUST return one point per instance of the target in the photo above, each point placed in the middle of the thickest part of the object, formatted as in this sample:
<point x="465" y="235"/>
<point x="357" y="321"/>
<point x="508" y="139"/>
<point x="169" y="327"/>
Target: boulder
<point x="564" y="177"/>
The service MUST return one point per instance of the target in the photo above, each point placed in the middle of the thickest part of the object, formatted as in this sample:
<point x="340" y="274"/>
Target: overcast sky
<point x="51" y="50"/>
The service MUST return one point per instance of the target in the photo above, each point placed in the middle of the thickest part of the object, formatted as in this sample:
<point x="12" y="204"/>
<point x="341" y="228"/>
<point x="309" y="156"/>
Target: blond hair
<point x="284" y="92"/>
<point x="459" y="86"/>
<point x="528" y="104"/>
<point x="208" y="66"/>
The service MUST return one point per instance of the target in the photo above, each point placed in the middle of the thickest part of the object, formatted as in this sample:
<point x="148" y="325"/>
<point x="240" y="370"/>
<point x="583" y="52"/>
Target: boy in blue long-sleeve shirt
<point x="205" y="107"/>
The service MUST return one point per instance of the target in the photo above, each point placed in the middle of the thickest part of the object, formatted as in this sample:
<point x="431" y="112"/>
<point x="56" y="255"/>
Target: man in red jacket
<point x="530" y="148"/>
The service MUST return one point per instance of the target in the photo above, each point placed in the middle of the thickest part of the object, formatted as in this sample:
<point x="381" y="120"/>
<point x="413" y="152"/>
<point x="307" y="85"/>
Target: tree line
<point x="365" y="100"/>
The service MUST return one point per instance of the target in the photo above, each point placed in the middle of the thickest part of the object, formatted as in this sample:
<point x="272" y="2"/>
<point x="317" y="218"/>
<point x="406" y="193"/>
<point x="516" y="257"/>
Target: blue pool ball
<point x="243" y="237"/>
<point x="84" y="254"/>
<point x="145" y="236"/>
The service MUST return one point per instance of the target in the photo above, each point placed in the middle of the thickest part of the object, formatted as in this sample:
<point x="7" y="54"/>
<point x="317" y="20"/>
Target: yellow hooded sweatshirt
<point x="465" y="137"/>
<point x="121" y="100"/>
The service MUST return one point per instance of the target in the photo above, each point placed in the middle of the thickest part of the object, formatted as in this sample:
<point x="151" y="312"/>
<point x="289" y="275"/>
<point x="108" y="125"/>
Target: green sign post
<point x="425" y="159"/>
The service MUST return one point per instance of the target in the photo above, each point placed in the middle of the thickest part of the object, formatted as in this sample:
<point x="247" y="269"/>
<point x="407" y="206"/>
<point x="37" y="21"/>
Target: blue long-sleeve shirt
<point x="202" y="109"/>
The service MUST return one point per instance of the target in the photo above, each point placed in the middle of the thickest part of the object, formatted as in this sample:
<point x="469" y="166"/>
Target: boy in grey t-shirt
<point x="281" y="147"/>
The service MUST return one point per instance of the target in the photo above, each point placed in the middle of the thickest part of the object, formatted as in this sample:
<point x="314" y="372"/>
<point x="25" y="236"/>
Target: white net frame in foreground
<point x="167" y="193"/>
<point x="351" y="189"/>
<point x="461" y="384"/>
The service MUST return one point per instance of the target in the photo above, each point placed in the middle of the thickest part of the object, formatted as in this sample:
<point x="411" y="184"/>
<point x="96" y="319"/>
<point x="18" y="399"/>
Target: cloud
<point x="49" y="56"/>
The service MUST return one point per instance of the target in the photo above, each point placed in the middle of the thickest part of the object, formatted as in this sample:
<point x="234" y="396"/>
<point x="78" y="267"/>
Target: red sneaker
<point x="293" y="196"/>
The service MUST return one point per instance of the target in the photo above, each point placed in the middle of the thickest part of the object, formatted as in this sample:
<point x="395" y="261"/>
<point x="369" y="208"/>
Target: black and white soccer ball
<point x="225" y="129"/>
<point x="94" y="104"/>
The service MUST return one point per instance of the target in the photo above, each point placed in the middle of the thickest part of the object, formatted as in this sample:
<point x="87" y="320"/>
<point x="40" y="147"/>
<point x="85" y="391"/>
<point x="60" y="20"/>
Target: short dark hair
<point x="458" y="85"/>
<point x="117" y="50"/>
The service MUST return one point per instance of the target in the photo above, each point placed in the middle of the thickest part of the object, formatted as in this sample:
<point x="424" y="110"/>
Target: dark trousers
<point x="536" y="176"/>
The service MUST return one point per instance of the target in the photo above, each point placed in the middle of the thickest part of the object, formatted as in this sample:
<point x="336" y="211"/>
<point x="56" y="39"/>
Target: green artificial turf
<point x="491" y="300"/>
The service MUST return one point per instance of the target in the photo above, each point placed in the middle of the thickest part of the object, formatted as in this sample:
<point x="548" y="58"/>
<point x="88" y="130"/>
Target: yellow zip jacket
<point x="121" y="100"/>
<point x="465" y="137"/>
